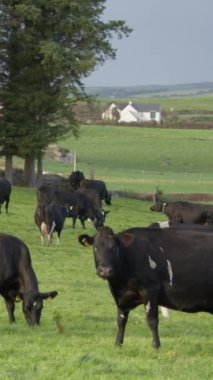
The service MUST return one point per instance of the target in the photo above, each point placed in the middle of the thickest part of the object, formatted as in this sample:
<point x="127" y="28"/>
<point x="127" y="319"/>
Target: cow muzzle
<point x="105" y="272"/>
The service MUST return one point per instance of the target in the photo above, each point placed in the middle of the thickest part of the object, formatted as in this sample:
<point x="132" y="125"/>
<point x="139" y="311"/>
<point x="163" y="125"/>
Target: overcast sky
<point x="172" y="43"/>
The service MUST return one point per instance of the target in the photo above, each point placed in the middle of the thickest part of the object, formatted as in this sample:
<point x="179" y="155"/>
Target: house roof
<point x="141" y="107"/>
<point x="146" y="107"/>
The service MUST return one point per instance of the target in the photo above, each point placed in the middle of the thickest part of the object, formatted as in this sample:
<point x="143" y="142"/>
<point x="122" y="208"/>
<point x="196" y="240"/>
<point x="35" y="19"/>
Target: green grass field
<point x="76" y="338"/>
<point x="141" y="159"/>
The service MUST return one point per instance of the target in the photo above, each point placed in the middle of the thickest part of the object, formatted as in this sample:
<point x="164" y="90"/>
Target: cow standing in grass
<point x="5" y="191"/>
<point x="170" y="267"/>
<point x="83" y="204"/>
<point x="50" y="219"/>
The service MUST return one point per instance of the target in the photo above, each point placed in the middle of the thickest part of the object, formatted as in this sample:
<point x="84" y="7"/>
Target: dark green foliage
<point x="46" y="49"/>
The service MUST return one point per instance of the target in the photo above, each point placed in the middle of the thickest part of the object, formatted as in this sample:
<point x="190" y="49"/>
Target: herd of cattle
<point x="167" y="264"/>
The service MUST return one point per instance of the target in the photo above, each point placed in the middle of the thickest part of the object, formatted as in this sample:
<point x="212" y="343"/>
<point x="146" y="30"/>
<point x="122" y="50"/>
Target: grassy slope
<point x="75" y="340"/>
<point x="138" y="159"/>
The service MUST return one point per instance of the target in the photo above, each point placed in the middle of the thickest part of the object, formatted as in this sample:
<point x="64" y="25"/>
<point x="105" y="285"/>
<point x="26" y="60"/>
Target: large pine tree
<point x="47" y="48"/>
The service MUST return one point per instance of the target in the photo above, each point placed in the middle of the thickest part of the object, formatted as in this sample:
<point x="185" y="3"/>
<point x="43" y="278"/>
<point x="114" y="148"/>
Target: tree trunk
<point x="29" y="178"/>
<point x="9" y="168"/>
<point x="39" y="171"/>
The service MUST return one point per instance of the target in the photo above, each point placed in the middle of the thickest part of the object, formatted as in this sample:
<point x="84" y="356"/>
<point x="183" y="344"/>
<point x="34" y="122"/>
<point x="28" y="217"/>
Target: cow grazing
<point x="94" y="210"/>
<point x="170" y="267"/>
<point x="5" y="191"/>
<point x="83" y="204"/>
<point x="18" y="280"/>
<point x="50" y="219"/>
<point x="185" y="212"/>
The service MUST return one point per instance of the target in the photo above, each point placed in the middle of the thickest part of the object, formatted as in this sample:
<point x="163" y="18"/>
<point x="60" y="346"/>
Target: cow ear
<point x="85" y="240"/>
<point x="48" y="295"/>
<point x="126" y="239"/>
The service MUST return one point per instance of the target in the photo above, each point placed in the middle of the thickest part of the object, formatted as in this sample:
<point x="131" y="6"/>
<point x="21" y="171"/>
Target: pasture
<point x="139" y="160"/>
<point x="77" y="332"/>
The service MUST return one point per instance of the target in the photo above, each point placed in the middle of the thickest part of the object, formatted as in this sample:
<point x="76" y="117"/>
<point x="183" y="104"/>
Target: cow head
<point x="106" y="247"/>
<point x="32" y="304"/>
<point x="157" y="207"/>
<point x="100" y="216"/>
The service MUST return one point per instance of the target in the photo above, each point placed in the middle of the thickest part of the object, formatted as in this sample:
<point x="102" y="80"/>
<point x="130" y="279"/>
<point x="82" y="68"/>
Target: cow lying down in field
<point x="185" y="212"/>
<point x="170" y="267"/>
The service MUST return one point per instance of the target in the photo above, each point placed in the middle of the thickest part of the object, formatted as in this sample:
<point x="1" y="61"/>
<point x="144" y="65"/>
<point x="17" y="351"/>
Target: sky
<point x="171" y="43"/>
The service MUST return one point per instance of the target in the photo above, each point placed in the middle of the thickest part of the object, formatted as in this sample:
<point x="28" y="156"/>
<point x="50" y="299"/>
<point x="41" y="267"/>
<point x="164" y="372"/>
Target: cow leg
<point x="10" y="305"/>
<point x="49" y="239"/>
<point x="58" y="237"/>
<point x="82" y="220"/>
<point x="6" y="205"/>
<point x="74" y="218"/>
<point x="42" y="240"/>
<point x="122" y="317"/>
<point x="152" y="321"/>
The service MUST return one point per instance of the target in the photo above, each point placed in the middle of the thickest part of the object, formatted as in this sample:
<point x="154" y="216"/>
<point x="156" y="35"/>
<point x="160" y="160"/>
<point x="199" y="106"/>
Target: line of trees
<point x="47" y="48"/>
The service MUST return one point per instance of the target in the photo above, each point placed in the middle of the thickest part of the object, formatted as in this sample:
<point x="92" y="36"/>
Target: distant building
<point x="133" y="112"/>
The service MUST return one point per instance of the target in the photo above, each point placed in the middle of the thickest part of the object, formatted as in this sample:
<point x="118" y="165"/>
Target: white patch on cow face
<point x="122" y="316"/>
<point x="162" y="250"/>
<point x="170" y="272"/>
<point x="152" y="263"/>
<point x="148" y="307"/>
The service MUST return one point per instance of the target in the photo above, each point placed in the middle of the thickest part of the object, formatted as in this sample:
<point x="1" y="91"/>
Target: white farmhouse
<point x="134" y="112"/>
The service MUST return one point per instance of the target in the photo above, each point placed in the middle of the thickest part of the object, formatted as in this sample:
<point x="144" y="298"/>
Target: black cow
<point x="185" y="212"/>
<point x="50" y="219"/>
<point x="5" y="191"/>
<point x="83" y="204"/>
<point x="18" y="280"/>
<point x="77" y="179"/>
<point x="171" y="267"/>
<point x="99" y="186"/>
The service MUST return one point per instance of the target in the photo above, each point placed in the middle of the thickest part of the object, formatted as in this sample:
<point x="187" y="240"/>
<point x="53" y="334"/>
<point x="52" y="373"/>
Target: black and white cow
<point x="5" y="191"/>
<point x="50" y="219"/>
<point x="170" y="267"/>
<point x="18" y="280"/>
